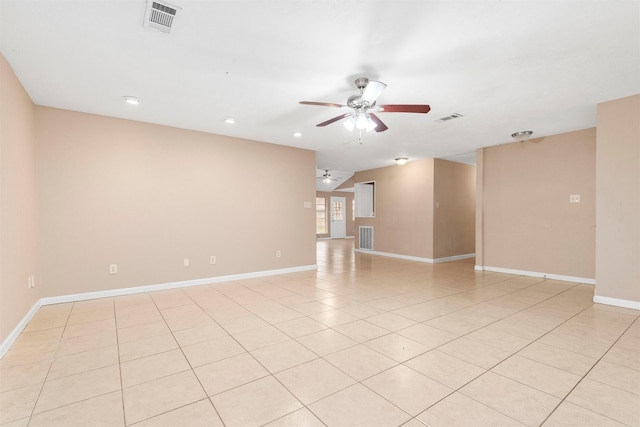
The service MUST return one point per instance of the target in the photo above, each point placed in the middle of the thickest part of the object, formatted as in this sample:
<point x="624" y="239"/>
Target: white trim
<point x="8" y="342"/>
<point x="330" y="238"/>
<point x="537" y="274"/>
<point x="454" y="258"/>
<point x="415" y="258"/>
<point x="617" y="302"/>
<point x="172" y="285"/>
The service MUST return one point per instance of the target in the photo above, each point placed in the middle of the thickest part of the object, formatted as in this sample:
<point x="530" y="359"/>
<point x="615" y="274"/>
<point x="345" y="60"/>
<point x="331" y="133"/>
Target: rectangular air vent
<point x="449" y="117"/>
<point x="365" y="238"/>
<point x="160" y="16"/>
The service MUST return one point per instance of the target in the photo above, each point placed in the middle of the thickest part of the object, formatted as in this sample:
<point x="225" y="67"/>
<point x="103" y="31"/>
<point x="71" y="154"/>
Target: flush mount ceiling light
<point x="229" y="120"/>
<point x="401" y="161"/>
<point x="521" y="136"/>
<point x="297" y="134"/>
<point x="131" y="100"/>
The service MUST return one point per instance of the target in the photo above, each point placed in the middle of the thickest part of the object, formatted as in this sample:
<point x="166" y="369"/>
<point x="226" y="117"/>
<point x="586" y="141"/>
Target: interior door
<point x="338" y="217"/>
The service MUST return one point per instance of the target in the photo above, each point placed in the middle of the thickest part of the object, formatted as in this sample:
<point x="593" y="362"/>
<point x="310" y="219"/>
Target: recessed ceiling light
<point x="132" y="100"/>
<point x="297" y="134"/>
<point x="229" y="120"/>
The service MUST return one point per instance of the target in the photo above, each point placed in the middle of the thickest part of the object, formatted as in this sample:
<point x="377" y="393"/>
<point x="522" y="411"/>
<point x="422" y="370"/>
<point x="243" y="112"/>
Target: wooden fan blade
<point x="404" y="108"/>
<point x="322" y="104"/>
<point x="335" y="119"/>
<point x="380" y="127"/>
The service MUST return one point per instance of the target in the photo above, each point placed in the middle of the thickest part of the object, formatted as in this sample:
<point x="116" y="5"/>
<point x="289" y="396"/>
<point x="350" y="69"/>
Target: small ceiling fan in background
<point x="363" y="107"/>
<point x="327" y="178"/>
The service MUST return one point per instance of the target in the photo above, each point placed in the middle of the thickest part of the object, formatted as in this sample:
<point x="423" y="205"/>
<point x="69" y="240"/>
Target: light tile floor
<point x="363" y="341"/>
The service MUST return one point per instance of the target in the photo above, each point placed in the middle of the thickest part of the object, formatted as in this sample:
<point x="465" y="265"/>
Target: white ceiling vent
<point x="160" y="16"/>
<point x="449" y="117"/>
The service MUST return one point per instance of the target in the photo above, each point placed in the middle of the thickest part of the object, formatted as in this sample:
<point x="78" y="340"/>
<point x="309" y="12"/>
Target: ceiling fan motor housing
<point x="355" y="102"/>
<point x="361" y="83"/>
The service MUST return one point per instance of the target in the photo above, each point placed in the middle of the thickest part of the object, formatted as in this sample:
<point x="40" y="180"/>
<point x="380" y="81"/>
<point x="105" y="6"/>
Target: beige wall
<point x="527" y="221"/>
<point x="145" y="197"/>
<point x="407" y="221"/>
<point x="18" y="203"/>
<point x="349" y="225"/>
<point x="618" y="206"/>
<point x="455" y="209"/>
<point x="403" y="222"/>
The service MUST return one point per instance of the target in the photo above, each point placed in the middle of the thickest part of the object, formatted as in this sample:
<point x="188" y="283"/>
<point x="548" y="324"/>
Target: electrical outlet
<point x="113" y="268"/>
<point x="212" y="259"/>
<point x="278" y="253"/>
<point x="186" y="262"/>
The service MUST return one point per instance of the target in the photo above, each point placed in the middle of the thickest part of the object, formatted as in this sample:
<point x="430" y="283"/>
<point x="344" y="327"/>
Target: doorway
<point x="338" y="218"/>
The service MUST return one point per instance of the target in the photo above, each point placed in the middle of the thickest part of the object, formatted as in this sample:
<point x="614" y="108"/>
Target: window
<point x="338" y="211"/>
<point x="321" y="215"/>
<point x="353" y="210"/>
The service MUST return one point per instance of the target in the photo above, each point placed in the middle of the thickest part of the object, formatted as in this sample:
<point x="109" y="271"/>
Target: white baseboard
<point x="617" y="302"/>
<point x="551" y="276"/>
<point x="8" y="342"/>
<point x="454" y="258"/>
<point x="13" y="336"/>
<point x="415" y="258"/>
<point x="331" y="238"/>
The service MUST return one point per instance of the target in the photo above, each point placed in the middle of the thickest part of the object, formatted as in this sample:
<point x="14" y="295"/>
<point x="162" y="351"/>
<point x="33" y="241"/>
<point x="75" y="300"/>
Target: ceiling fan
<point x="363" y="107"/>
<point x="326" y="177"/>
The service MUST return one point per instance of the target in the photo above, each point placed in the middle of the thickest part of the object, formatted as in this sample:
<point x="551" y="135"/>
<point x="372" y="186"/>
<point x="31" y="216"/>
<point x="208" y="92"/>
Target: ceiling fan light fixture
<point x="371" y="125"/>
<point x="522" y="135"/>
<point x="364" y="105"/>
<point x="401" y="161"/>
<point x="327" y="180"/>
<point x="362" y="121"/>
<point x="350" y="124"/>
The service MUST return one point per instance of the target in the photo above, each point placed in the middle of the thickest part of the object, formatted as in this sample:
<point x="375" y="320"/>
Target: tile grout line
<point x="171" y="331"/>
<point x="35" y="403"/>
<point x="585" y="377"/>
<point x="488" y="370"/>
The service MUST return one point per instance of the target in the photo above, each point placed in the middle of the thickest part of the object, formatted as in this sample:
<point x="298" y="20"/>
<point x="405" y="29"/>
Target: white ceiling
<point x="504" y="65"/>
